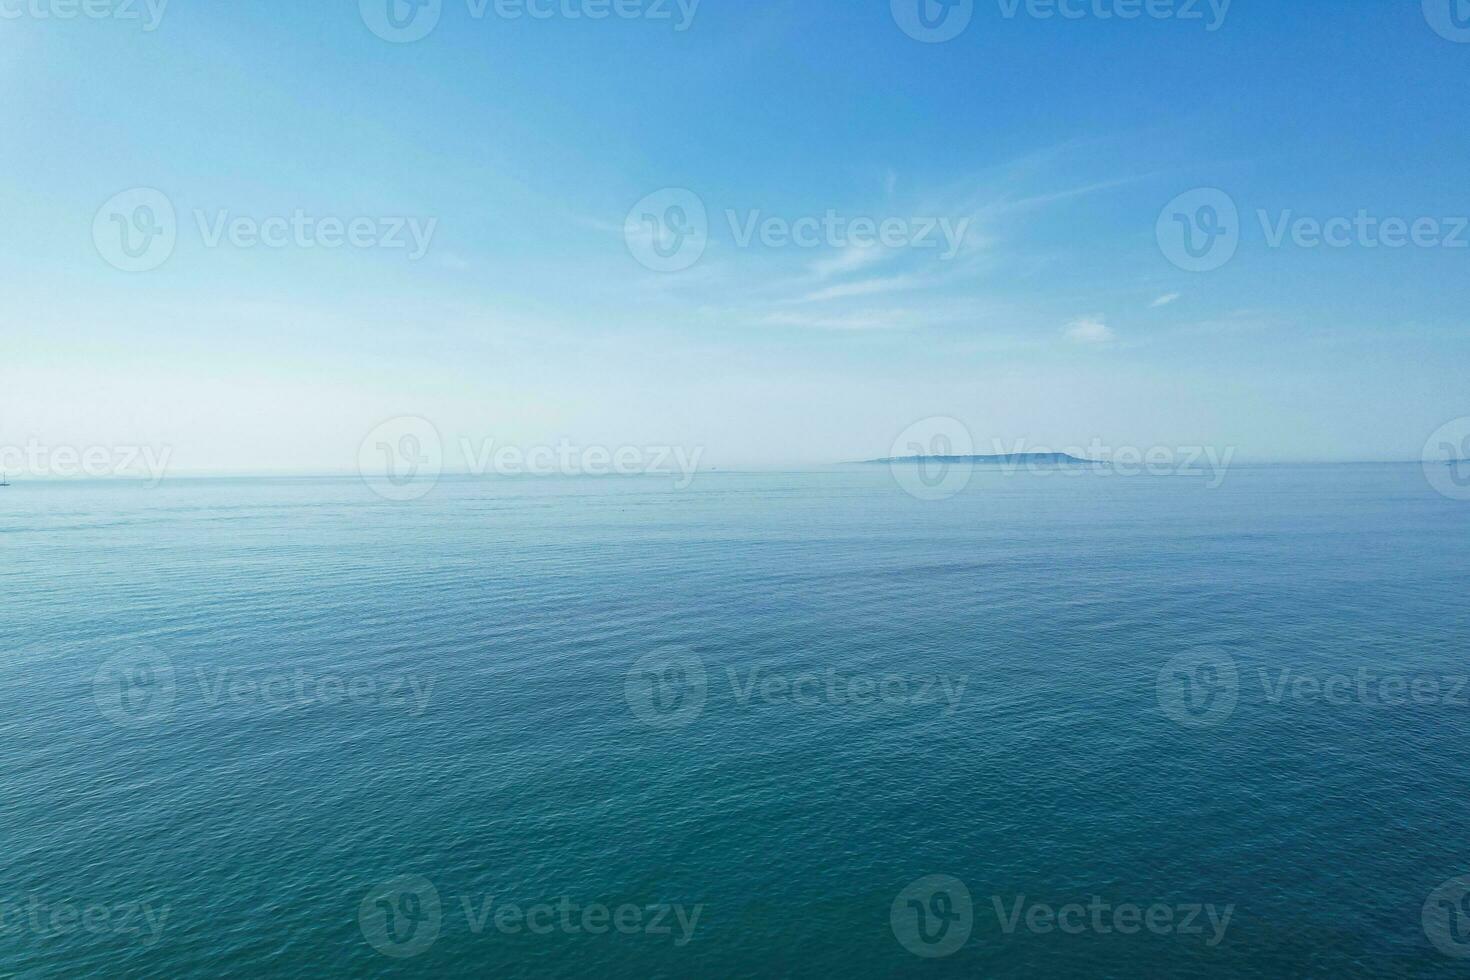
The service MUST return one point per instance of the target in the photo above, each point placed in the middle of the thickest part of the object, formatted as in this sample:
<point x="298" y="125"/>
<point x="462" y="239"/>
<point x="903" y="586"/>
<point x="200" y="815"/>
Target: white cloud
<point x="1089" y="330"/>
<point x="850" y="259"/>
<point x="1165" y="300"/>
<point x="866" y="287"/>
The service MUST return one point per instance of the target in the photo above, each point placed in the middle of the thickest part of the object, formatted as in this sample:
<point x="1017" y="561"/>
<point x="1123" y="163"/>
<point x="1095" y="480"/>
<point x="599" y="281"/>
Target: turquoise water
<point x="250" y="720"/>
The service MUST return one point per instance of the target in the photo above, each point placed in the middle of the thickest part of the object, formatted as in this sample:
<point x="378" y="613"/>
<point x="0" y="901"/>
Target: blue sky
<point x="1058" y="142"/>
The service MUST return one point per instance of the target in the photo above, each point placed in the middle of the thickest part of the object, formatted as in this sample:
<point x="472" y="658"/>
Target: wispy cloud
<point x="863" y="287"/>
<point x="1089" y="330"/>
<point x="1165" y="300"/>
<point x="831" y="289"/>
<point x="851" y="259"/>
<point x="1053" y="197"/>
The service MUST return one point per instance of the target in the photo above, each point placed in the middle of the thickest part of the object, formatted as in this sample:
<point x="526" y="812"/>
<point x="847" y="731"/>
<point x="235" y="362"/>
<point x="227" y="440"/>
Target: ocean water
<point x="794" y="724"/>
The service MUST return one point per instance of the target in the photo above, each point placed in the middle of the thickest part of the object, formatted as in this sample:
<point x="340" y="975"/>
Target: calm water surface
<point x="751" y="714"/>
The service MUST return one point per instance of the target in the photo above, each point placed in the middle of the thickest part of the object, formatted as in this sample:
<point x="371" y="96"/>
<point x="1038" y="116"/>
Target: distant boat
<point x="4" y="482"/>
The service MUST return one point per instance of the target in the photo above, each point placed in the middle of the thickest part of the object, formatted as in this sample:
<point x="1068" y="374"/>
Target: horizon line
<point x="315" y="474"/>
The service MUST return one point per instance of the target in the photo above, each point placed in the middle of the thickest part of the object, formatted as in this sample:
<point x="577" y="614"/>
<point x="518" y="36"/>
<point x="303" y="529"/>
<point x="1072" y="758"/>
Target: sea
<point x="769" y="724"/>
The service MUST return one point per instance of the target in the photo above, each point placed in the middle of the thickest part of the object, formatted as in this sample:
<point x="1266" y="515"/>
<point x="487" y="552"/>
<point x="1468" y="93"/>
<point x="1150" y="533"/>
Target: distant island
<point x="1050" y="459"/>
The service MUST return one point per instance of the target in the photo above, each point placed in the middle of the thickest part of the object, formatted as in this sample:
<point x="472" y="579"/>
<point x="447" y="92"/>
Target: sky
<point x="1096" y="228"/>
